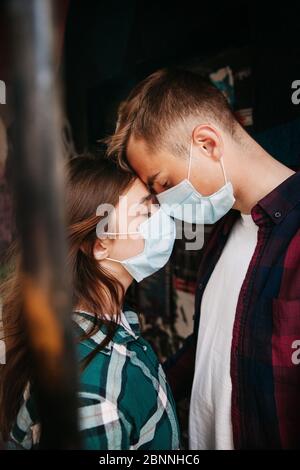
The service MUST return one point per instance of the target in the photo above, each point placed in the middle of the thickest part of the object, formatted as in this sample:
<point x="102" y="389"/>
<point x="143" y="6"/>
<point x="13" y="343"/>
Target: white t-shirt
<point x="210" y="424"/>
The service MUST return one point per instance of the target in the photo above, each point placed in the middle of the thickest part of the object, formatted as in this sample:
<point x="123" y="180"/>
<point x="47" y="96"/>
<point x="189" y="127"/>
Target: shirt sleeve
<point x="102" y="424"/>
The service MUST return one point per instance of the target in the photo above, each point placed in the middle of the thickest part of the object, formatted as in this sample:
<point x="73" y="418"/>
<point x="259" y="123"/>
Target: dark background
<point x="109" y="46"/>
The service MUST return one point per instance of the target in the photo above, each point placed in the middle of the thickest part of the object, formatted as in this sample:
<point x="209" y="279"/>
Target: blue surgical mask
<point x="159" y="234"/>
<point x="185" y="203"/>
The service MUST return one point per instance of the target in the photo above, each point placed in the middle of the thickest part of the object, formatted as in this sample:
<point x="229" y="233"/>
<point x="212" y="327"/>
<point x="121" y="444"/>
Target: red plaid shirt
<point x="265" y="352"/>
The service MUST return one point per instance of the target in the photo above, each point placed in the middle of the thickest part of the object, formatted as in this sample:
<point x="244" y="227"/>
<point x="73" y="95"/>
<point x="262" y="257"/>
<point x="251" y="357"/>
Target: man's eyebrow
<point x="151" y="180"/>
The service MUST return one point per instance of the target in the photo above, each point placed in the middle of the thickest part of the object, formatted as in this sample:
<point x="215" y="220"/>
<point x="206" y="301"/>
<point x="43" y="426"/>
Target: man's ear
<point x="101" y="248"/>
<point x="209" y="141"/>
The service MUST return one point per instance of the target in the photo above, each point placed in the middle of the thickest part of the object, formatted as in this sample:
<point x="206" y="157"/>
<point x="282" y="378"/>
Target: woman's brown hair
<point x="90" y="182"/>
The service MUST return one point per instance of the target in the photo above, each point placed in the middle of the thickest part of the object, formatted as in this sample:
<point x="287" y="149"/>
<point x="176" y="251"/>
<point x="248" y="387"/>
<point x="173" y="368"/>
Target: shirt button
<point x="277" y="214"/>
<point x="145" y="348"/>
<point x="200" y="286"/>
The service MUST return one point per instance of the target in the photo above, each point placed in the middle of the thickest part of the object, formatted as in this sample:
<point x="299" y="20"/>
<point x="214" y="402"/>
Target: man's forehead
<point x="140" y="158"/>
<point x="136" y="146"/>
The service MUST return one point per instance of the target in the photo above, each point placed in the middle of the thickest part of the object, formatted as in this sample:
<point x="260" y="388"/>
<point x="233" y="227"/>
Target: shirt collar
<point x="85" y="320"/>
<point x="278" y="203"/>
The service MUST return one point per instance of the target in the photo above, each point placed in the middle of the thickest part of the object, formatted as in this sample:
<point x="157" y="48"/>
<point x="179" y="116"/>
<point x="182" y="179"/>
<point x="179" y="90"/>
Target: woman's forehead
<point x="137" y="193"/>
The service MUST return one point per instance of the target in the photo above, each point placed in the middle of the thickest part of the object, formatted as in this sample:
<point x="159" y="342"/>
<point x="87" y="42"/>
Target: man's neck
<point x="261" y="174"/>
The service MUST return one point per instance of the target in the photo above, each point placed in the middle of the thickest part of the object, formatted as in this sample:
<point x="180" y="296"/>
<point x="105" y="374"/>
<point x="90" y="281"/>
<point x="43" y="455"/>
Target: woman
<point x="125" y="402"/>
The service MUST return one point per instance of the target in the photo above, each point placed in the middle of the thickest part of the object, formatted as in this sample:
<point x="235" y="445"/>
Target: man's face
<point x="162" y="170"/>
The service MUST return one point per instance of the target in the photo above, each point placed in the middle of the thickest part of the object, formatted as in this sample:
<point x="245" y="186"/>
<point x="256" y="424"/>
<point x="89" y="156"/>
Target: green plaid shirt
<point x="124" y="399"/>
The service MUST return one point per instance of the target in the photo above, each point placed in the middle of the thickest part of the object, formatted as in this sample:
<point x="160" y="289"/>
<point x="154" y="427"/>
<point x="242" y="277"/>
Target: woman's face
<point x="135" y="206"/>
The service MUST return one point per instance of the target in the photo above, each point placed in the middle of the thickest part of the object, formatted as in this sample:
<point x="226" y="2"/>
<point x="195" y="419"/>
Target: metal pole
<point x="38" y="179"/>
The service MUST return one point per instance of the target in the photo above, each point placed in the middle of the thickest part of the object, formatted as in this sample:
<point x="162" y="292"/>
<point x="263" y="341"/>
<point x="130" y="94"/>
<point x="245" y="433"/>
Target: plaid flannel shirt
<point x="124" y="399"/>
<point x="265" y="353"/>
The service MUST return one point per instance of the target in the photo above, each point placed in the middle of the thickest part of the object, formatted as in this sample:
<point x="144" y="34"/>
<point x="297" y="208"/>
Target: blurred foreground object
<point x="37" y="174"/>
<point x="3" y="147"/>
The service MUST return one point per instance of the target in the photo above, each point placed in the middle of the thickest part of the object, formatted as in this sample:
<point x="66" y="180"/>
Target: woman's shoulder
<point x="90" y="338"/>
<point x="128" y="362"/>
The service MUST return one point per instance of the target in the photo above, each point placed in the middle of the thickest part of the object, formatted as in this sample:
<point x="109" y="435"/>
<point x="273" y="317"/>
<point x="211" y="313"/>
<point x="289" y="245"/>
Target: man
<point x="179" y="135"/>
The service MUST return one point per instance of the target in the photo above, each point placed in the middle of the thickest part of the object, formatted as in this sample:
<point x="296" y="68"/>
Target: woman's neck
<point x="107" y="307"/>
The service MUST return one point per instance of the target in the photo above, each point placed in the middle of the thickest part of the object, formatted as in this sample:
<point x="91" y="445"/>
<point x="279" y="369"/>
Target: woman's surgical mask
<point x="185" y="203"/>
<point x="159" y="234"/>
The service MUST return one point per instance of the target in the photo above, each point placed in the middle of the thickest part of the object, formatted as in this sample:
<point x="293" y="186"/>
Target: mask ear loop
<point x="115" y="260"/>
<point x="190" y="164"/>
<point x="223" y="168"/>
<point x="190" y="160"/>
<point x="121" y="233"/>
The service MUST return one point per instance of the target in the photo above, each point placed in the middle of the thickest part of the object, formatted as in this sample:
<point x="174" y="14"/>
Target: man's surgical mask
<point x="185" y="203"/>
<point x="159" y="234"/>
